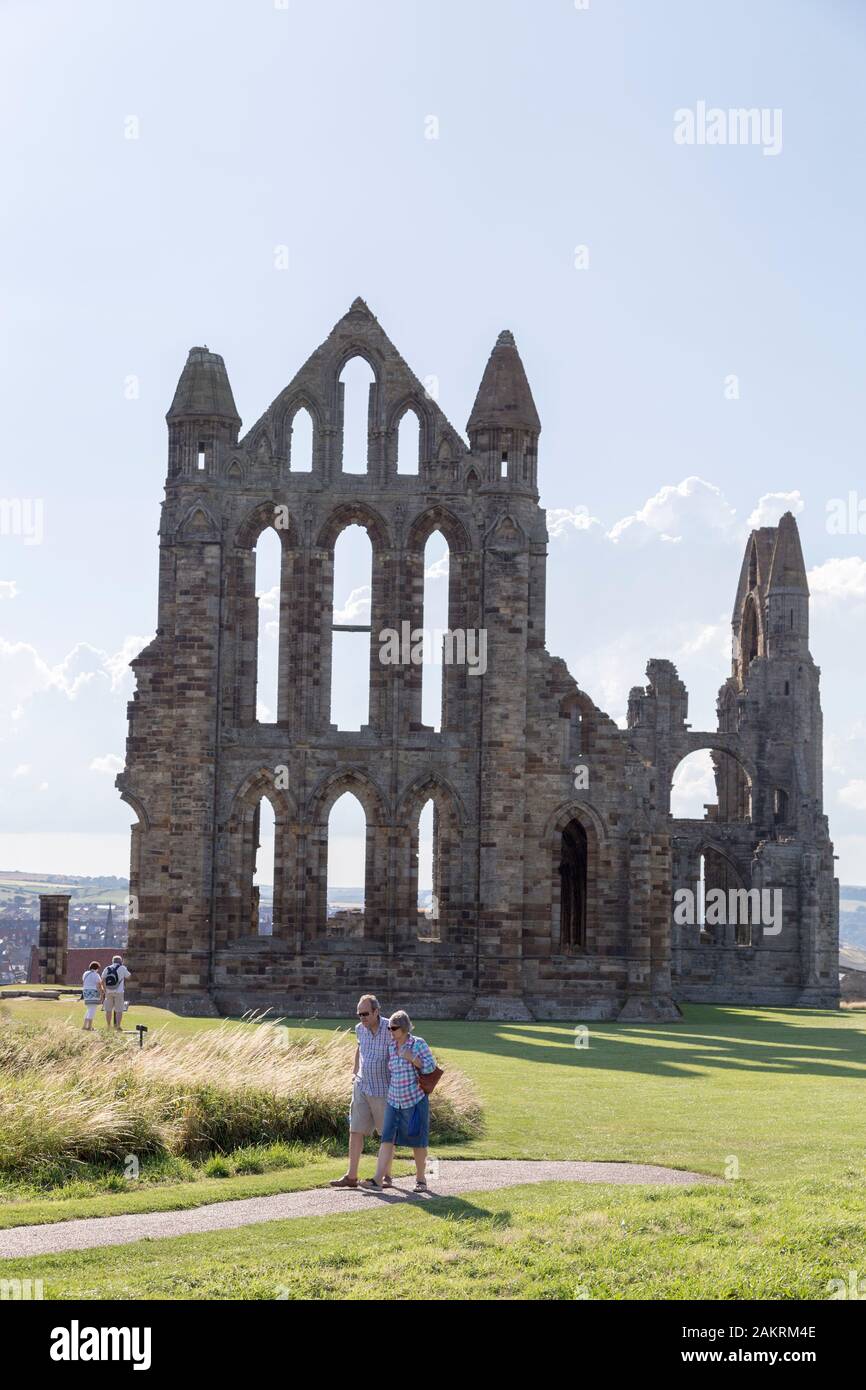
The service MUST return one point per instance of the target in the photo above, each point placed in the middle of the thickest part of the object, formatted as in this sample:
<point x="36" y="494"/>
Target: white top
<point x="122" y="974"/>
<point x="90" y="982"/>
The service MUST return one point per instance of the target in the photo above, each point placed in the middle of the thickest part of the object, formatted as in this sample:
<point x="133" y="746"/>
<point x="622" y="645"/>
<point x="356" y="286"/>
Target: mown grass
<point x="775" y="1095"/>
<point x="549" y="1242"/>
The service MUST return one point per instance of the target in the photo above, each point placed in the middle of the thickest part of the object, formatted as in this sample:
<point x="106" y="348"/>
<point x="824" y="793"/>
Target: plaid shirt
<point x="373" y="1058"/>
<point x="404" y="1090"/>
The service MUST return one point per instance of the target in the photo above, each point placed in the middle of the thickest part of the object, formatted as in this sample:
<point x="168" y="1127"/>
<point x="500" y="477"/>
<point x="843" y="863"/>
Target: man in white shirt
<point x="113" y="977"/>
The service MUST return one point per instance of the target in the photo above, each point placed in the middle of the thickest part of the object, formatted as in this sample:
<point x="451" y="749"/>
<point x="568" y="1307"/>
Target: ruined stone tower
<point x="553" y="891"/>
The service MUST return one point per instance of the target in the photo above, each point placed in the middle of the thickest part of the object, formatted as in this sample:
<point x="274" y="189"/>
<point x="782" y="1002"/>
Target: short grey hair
<point x="369" y="999"/>
<point x="400" y="1019"/>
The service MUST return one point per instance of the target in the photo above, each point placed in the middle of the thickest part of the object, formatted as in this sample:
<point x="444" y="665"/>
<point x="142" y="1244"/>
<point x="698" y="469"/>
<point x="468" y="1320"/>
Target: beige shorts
<point x="367" y="1112"/>
<point x="113" y="1002"/>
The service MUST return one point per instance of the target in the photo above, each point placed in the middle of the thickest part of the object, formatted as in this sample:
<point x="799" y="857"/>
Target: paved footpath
<point x="451" y="1178"/>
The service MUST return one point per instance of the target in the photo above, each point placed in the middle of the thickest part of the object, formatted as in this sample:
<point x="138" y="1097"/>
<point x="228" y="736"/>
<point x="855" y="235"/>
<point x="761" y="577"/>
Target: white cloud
<point x="109" y="762"/>
<point x="24" y="673"/>
<point x="117" y="665"/>
<point x="438" y="569"/>
<point x="772" y="505"/>
<point x="845" y="747"/>
<point x="714" y="638"/>
<point x="854" y="794"/>
<point x="8" y="588"/>
<point x="357" y="607"/>
<point x="21" y="770"/>
<point x="692" y="509"/>
<point x="562" y="520"/>
<point x="839" y="579"/>
<point x="269" y="598"/>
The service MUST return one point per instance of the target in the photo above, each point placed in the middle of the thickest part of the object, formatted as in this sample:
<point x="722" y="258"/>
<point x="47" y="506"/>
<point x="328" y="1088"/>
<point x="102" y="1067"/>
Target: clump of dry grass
<point x="66" y="1095"/>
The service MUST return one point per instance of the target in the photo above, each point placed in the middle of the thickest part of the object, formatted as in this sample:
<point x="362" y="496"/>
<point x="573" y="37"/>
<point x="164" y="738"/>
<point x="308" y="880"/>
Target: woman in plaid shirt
<point x="407" y="1110"/>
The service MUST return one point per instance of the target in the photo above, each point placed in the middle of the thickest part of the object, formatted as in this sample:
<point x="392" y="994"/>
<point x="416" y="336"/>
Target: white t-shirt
<point x="90" y="986"/>
<point x="122" y="974"/>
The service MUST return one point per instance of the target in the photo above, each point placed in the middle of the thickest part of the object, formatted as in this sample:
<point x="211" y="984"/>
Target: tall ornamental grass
<point x="68" y="1097"/>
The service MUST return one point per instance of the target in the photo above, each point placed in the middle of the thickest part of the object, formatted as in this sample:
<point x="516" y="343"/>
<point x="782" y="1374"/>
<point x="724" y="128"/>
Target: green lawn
<point x="780" y="1091"/>
<point x="551" y="1242"/>
<point x="775" y="1096"/>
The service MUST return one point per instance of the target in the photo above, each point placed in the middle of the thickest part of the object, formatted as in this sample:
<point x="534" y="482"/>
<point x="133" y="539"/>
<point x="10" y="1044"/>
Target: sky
<point x="235" y="173"/>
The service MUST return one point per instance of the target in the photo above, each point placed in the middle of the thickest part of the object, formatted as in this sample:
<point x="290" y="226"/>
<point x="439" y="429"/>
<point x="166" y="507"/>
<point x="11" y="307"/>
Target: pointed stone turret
<point x="788" y="570"/>
<point x="203" y="417"/>
<point x="788" y="594"/>
<point x="203" y="391"/>
<point x="504" y="399"/>
<point x="504" y="425"/>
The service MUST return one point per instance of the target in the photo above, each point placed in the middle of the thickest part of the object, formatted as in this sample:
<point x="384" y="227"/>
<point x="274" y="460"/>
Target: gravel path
<point x="447" y="1180"/>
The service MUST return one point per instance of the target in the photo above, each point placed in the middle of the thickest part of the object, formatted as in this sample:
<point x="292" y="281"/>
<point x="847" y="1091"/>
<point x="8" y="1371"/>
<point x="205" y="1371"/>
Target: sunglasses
<point x="364" y="1013"/>
<point x="395" y="1028"/>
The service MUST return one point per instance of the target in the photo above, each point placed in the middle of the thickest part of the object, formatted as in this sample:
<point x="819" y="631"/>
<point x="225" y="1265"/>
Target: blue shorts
<point x="409" y="1128"/>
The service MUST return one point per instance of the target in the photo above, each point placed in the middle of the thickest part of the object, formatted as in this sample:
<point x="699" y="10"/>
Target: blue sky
<point x="260" y="127"/>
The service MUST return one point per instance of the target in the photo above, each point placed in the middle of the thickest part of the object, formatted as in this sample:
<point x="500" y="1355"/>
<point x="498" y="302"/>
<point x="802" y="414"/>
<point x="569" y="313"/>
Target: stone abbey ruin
<point x="554" y="893"/>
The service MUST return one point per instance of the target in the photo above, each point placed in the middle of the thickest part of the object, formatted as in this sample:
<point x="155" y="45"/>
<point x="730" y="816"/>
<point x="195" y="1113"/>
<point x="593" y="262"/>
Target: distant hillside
<point x="21" y="888"/>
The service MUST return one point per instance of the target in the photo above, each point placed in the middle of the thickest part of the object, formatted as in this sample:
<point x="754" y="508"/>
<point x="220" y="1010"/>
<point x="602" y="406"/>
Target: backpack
<point x="111" y="977"/>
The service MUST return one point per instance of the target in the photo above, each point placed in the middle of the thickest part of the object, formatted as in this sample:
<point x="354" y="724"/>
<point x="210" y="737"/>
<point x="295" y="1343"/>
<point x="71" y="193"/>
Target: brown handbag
<point x="428" y="1081"/>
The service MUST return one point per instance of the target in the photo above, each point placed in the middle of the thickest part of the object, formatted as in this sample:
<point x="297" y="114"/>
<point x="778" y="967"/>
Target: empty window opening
<point x="572" y="875"/>
<point x="574" y="730"/>
<point x="357" y="380"/>
<point x="428" y="903"/>
<point x="408" y="443"/>
<point x="753" y="567"/>
<point x="346" y="875"/>
<point x="351" y="632"/>
<point x="749" y="638"/>
<point x="202" y="457"/>
<point x="268" y="570"/>
<point x="301" y="446"/>
<point x="264" y="849"/>
<point x="694" y="786"/>
<point x="711" y="785"/>
<point x="780" y="806"/>
<point x="438" y="646"/>
<point x="701" y="903"/>
<point x="720" y="887"/>
<point x="503" y="464"/>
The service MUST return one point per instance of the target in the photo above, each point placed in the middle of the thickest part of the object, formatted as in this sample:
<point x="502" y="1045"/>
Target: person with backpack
<point x="91" y="992"/>
<point x="113" y="977"/>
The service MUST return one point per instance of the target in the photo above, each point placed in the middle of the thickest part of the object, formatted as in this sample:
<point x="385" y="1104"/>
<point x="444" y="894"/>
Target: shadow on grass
<point x="728" y="1041"/>
<point x="454" y="1208"/>
<point x="713" y="1036"/>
